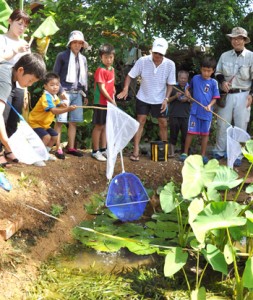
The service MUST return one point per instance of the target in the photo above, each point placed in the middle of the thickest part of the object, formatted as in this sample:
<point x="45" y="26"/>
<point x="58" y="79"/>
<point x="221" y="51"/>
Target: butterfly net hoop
<point x="235" y="136"/>
<point x="126" y="197"/>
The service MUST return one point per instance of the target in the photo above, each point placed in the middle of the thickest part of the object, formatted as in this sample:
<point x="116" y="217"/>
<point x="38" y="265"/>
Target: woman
<point x="12" y="47"/>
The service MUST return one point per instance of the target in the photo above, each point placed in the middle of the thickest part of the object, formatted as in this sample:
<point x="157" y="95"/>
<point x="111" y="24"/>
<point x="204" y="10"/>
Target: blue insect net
<point x="127" y="198"/>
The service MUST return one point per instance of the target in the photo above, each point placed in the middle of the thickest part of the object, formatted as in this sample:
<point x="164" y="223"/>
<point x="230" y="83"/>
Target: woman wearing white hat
<point x="71" y="66"/>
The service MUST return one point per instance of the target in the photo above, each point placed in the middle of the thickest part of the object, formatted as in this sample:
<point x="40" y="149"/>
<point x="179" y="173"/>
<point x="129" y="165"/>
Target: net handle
<point x="194" y="100"/>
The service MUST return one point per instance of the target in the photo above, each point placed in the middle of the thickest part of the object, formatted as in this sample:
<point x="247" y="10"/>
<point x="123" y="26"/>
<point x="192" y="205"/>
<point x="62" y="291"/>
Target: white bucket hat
<point x="77" y="35"/>
<point x="239" y="31"/>
<point x="160" y="45"/>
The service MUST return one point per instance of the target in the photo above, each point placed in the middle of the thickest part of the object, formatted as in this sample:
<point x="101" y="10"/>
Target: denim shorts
<point x="74" y="115"/>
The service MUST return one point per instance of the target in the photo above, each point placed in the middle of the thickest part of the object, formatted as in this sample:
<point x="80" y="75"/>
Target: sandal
<point x="6" y="155"/>
<point x="134" y="157"/>
<point x="4" y="164"/>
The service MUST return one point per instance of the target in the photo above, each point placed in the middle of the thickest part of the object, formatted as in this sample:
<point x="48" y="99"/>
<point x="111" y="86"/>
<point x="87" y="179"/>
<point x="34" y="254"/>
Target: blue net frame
<point x="126" y="197"/>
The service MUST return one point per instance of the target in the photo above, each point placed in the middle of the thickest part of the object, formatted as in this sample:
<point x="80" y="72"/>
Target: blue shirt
<point x="204" y="90"/>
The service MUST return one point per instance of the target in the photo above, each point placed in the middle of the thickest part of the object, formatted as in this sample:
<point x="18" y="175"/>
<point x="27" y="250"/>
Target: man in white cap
<point x="157" y="79"/>
<point x="234" y="73"/>
<point x="72" y="68"/>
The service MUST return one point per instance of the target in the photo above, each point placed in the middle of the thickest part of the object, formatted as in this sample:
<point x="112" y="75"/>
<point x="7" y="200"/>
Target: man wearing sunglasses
<point x="157" y="79"/>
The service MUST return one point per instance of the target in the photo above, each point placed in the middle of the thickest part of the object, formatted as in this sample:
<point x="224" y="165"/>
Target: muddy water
<point x="106" y="262"/>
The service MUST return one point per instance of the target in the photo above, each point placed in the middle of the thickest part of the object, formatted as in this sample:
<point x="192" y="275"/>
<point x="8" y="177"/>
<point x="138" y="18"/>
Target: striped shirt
<point x="154" y="79"/>
<point x="236" y="69"/>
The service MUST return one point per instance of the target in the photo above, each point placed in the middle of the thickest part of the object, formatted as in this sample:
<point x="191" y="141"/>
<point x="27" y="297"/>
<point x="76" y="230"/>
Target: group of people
<point x="189" y="104"/>
<point x="234" y="74"/>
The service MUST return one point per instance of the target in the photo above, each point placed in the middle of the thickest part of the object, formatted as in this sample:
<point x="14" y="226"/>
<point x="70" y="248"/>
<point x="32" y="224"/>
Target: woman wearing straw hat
<point x="234" y="73"/>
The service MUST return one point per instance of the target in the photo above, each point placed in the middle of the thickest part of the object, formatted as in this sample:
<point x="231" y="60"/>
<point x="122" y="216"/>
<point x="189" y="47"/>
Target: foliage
<point x="209" y="231"/>
<point x="56" y="210"/>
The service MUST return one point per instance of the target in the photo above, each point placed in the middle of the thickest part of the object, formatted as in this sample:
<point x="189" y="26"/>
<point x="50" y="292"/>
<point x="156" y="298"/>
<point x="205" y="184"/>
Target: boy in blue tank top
<point x="205" y="90"/>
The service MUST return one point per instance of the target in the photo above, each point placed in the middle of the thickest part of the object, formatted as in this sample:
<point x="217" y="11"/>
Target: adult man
<point x="157" y="80"/>
<point x="234" y="73"/>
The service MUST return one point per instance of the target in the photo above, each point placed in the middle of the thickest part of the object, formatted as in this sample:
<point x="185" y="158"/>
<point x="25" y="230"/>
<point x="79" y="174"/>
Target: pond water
<point x="106" y="262"/>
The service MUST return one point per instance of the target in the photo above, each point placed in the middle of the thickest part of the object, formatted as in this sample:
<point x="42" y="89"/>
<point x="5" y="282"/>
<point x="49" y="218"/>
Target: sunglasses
<point x="157" y="53"/>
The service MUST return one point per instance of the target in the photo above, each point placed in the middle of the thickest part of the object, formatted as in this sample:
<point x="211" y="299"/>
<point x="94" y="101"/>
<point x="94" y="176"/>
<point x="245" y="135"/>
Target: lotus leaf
<point x="196" y="176"/>
<point x="247" y="276"/>
<point x="217" y="215"/>
<point x="225" y="179"/>
<point x="174" y="261"/>
<point x="215" y="258"/>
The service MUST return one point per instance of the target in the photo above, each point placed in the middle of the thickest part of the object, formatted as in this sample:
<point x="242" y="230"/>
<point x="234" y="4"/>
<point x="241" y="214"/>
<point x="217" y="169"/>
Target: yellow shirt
<point x="41" y="115"/>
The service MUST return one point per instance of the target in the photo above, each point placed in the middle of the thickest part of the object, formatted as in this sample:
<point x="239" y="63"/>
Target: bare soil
<point x="68" y="183"/>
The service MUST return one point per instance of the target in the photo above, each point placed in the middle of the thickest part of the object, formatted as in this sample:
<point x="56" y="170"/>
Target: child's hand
<point x="71" y="107"/>
<point x="85" y="101"/>
<point x="208" y="108"/>
<point x="63" y="105"/>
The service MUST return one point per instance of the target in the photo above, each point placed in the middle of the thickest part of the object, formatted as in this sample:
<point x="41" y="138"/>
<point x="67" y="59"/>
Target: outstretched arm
<point x="124" y="93"/>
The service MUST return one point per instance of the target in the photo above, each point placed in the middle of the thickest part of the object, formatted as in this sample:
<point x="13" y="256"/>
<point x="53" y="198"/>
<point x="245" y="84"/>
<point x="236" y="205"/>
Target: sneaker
<point x="205" y="160"/>
<point x="183" y="157"/>
<point x="238" y="162"/>
<point x="51" y="157"/>
<point x="59" y="154"/>
<point x="104" y="153"/>
<point x="74" y="152"/>
<point x="98" y="156"/>
<point x="39" y="163"/>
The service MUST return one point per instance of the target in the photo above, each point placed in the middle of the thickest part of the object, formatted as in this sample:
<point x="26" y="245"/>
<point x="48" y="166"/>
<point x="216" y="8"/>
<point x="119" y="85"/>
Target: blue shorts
<point x="198" y="126"/>
<point x="42" y="132"/>
<point x="74" y="115"/>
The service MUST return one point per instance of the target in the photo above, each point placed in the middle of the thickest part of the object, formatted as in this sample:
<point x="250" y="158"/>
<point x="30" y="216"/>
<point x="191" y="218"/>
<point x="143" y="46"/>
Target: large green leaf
<point x="198" y="294"/>
<point x="225" y="179"/>
<point x="217" y="215"/>
<point x="47" y="28"/>
<point x="195" y="207"/>
<point x="215" y="258"/>
<point x="174" y="261"/>
<point x="167" y="197"/>
<point x="196" y="175"/>
<point x="5" y="12"/>
<point x="248" y="151"/>
<point x="249" y="189"/>
<point x="247" y="277"/>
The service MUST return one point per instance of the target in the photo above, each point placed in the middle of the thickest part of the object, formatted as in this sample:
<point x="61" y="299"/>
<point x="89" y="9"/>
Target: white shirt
<point x="7" y="45"/>
<point x="154" y="79"/>
<point x="236" y="69"/>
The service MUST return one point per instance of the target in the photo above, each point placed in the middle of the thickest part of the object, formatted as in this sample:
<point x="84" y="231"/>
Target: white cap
<point x="77" y="35"/>
<point x="160" y="45"/>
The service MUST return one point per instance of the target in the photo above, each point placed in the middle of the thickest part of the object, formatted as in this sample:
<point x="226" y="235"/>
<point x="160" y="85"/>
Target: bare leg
<point x="103" y="138"/>
<point x="204" y="141"/>
<point x="142" y="120"/>
<point x="188" y="142"/>
<point x="96" y="136"/>
<point x="163" y="129"/>
<point x="71" y="135"/>
<point x="58" y="128"/>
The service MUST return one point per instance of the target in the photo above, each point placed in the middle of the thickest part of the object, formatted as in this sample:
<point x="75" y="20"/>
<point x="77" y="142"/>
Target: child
<point x="27" y="70"/>
<point x="179" y="110"/>
<point x="205" y="90"/>
<point x="42" y="115"/>
<point x="71" y="66"/>
<point x="104" y="91"/>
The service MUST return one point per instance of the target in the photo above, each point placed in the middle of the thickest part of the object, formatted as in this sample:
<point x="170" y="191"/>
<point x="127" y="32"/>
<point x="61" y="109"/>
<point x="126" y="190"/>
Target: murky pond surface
<point x="106" y="262"/>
